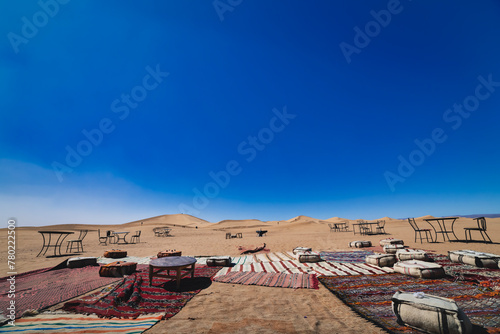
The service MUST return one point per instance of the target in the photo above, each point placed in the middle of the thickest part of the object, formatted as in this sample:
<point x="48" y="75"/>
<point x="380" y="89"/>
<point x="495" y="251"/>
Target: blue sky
<point x="121" y="110"/>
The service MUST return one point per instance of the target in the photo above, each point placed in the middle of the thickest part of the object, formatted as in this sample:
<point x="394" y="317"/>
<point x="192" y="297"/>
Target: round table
<point x="177" y="263"/>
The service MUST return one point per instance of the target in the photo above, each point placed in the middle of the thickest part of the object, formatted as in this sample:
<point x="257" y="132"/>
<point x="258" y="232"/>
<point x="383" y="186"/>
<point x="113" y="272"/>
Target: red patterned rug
<point x="370" y="296"/>
<point x="46" y="287"/>
<point x="134" y="296"/>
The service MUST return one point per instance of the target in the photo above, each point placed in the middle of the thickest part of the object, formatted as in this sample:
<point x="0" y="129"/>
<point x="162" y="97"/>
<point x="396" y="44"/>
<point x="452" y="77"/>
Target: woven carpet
<point x="134" y="296"/>
<point x="281" y="280"/>
<point x="370" y="296"/>
<point x="324" y="268"/>
<point x="463" y="271"/>
<point x="77" y="323"/>
<point x="346" y="257"/>
<point x="38" y="290"/>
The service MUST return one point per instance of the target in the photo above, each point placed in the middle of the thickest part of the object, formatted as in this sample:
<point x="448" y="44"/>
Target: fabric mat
<point x="244" y="259"/>
<point x="346" y="257"/>
<point x="77" y="323"/>
<point x="281" y="280"/>
<point x="370" y="296"/>
<point x="134" y="296"/>
<point x="46" y="288"/>
<point x="324" y="268"/>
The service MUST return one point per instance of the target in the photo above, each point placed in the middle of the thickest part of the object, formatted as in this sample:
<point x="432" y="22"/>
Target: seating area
<point x="233" y="236"/>
<point x="162" y="231"/>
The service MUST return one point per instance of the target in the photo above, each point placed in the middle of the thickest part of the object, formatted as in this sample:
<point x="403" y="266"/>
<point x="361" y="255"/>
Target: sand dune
<point x="238" y="224"/>
<point x="171" y="220"/>
<point x="301" y="219"/>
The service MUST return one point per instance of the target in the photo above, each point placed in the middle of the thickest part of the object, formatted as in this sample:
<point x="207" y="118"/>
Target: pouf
<point x="360" y="244"/>
<point x="393" y="248"/>
<point x="115" y="253"/>
<point x="117" y="269"/>
<point x="419" y="269"/>
<point x="80" y="262"/>
<point x="216" y="261"/>
<point x="391" y="241"/>
<point x="381" y="260"/>
<point x="431" y="314"/>
<point x="169" y="253"/>
<point x="474" y="258"/>
<point x="308" y="257"/>
<point x="411" y="254"/>
<point x="301" y="249"/>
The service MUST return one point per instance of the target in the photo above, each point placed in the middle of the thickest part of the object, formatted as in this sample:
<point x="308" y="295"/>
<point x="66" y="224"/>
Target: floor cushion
<point x="421" y="269"/>
<point x="117" y="269"/>
<point x="381" y="260"/>
<point x="431" y="314"/>
<point x="308" y="257"/>
<point x="411" y="254"/>
<point x="115" y="253"/>
<point x="215" y="261"/>
<point x="360" y="244"/>
<point x="393" y="248"/>
<point x="80" y="262"/>
<point x="391" y="241"/>
<point x="301" y="249"/>
<point x="478" y="259"/>
<point x="169" y="253"/>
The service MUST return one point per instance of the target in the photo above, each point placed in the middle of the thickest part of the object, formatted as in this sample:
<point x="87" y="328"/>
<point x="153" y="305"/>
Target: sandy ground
<point x="228" y="308"/>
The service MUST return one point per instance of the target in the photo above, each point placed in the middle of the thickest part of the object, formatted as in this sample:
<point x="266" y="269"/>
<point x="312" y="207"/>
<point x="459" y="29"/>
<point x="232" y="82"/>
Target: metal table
<point x="53" y="239"/>
<point x="123" y="234"/>
<point x="442" y="229"/>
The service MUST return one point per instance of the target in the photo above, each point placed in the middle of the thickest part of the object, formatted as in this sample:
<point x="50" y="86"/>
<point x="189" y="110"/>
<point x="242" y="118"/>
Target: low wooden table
<point x="177" y="263"/>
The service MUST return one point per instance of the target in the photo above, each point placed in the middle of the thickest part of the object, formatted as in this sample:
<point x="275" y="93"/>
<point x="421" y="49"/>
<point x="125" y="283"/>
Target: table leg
<point x="192" y="270"/>
<point x="178" y="278"/>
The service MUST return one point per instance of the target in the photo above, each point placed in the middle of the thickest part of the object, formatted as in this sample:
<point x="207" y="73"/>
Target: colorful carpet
<point x="73" y="323"/>
<point x="281" y="280"/>
<point x="134" y="296"/>
<point x="346" y="257"/>
<point x="455" y="269"/>
<point x="323" y="268"/>
<point x="370" y="296"/>
<point x="42" y="289"/>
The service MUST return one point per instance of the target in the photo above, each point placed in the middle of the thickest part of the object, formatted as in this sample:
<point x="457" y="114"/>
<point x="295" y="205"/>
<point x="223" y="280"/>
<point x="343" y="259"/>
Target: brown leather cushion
<point x="169" y="253"/>
<point x="117" y="269"/>
<point x="115" y="253"/>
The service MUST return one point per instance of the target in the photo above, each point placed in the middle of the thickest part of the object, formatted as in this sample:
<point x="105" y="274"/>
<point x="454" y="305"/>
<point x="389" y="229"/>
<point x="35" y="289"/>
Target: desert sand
<point x="230" y="308"/>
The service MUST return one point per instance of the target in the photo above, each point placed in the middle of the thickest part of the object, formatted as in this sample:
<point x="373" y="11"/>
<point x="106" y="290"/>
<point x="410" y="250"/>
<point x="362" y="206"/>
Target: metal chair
<point x="78" y="242"/>
<point x="102" y="239"/>
<point x="415" y="227"/>
<point x="380" y="227"/>
<point x="136" y="237"/>
<point x="333" y="228"/>
<point x="481" y="227"/>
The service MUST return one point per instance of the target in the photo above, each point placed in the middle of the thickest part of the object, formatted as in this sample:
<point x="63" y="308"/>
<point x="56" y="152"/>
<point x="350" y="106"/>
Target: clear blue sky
<point x="120" y="110"/>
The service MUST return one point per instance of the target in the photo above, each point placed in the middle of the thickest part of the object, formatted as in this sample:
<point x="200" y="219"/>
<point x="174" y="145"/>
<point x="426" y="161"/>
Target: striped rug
<point x="282" y="280"/>
<point x="77" y="323"/>
<point x="324" y="268"/>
